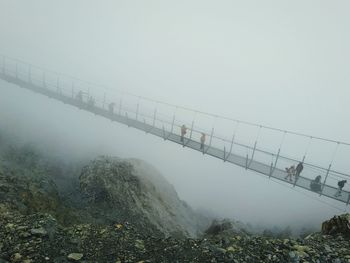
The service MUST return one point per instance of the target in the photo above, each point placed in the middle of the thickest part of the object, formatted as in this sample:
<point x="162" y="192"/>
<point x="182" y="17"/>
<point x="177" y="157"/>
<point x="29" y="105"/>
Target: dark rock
<point x="337" y="225"/>
<point x="38" y="232"/>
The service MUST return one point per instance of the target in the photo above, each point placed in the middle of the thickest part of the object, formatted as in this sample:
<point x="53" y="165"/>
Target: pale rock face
<point x="134" y="187"/>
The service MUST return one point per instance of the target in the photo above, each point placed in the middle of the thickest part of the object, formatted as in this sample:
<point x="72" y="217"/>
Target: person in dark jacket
<point x="340" y="187"/>
<point x="315" y="184"/>
<point x="298" y="170"/>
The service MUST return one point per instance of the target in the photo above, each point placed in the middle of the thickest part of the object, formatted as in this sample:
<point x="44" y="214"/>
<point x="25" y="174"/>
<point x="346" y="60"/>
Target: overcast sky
<point x="280" y="63"/>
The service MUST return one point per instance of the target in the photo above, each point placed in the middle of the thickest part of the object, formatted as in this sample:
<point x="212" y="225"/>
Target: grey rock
<point x="38" y="232"/>
<point x="75" y="256"/>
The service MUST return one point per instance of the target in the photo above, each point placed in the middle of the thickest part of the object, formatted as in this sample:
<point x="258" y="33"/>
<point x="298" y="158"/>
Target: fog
<point x="283" y="64"/>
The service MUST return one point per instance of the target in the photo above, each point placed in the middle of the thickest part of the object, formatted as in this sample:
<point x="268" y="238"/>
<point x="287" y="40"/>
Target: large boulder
<point x="337" y="225"/>
<point x="132" y="190"/>
<point x="226" y="227"/>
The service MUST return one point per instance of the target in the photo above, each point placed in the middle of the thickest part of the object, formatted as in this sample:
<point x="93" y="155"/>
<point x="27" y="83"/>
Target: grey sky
<point x="280" y="63"/>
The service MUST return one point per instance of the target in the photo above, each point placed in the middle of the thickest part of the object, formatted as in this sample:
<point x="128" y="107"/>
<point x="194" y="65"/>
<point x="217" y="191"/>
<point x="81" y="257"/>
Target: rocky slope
<point x="337" y="225"/>
<point x="104" y="191"/>
<point x="40" y="238"/>
<point x="113" y="210"/>
<point x="131" y="190"/>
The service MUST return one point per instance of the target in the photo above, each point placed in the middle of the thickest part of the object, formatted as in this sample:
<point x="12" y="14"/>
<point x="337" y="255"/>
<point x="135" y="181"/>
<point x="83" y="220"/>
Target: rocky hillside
<point x="40" y="238"/>
<point x="102" y="191"/>
<point x="131" y="190"/>
<point x="114" y="210"/>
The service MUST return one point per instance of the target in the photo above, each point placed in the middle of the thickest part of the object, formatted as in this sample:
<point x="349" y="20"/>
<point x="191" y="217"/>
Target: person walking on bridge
<point x="298" y="170"/>
<point x="290" y="172"/>
<point x="202" y="139"/>
<point x="315" y="185"/>
<point x="340" y="187"/>
<point x="111" y="107"/>
<point x="183" y="132"/>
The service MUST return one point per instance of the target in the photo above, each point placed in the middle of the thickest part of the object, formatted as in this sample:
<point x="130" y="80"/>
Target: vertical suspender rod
<point x="188" y="140"/>
<point x="251" y="160"/>
<point x="137" y="111"/>
<point x="172" y="124"/>
<point x="329" y="168"/>
<point x="163" y="132"/>
<point x="211" y="137"/>
<point x="325" y="179"/>
<point x="154" y="117"/>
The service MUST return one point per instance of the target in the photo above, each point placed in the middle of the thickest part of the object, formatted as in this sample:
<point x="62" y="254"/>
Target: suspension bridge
<point x="250" y="156"/>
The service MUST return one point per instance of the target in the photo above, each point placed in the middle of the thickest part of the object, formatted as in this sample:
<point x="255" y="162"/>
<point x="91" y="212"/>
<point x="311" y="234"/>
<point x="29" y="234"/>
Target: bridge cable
<point x="307" y="149"/>
<point x="329" y="167"/>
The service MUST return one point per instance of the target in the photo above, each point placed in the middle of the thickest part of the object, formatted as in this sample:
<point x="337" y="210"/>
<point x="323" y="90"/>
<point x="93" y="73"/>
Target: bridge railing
<point x="147" y="111"/>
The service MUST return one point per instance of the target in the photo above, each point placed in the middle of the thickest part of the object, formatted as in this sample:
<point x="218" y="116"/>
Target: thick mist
<point x="278" y="63"/>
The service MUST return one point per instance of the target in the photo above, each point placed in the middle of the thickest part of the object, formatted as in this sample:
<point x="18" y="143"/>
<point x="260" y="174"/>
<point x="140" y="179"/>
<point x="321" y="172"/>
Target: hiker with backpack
<point x="340" y="187"/>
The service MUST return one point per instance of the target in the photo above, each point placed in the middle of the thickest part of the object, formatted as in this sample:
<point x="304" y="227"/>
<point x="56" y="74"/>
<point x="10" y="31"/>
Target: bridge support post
<point x="224" y="153"/>
<point x="172" y="124"/>
<point x="164" y="137"/>
<point x="277" y="156"/>
<point x="211" y="138"/>
<point x="325" y="179"/>
<point x="191" y="130"/>
<point x="251" y="160"/>
<point x="246" y="162"/>
<point x="233" y="138"/>
<point x="271" y="170"/>
<point x="348" y="199"/>
<point x="154" y="117"/>
<point x="188" y="140"/>
<point x="127" y="119"/>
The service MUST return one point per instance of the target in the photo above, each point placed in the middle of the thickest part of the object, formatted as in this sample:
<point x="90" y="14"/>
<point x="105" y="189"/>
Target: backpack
<point x="341" y="183"/>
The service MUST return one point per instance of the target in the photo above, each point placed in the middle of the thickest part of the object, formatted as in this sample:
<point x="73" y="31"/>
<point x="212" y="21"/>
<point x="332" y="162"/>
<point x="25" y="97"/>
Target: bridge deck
<point x="266" y="169"/>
